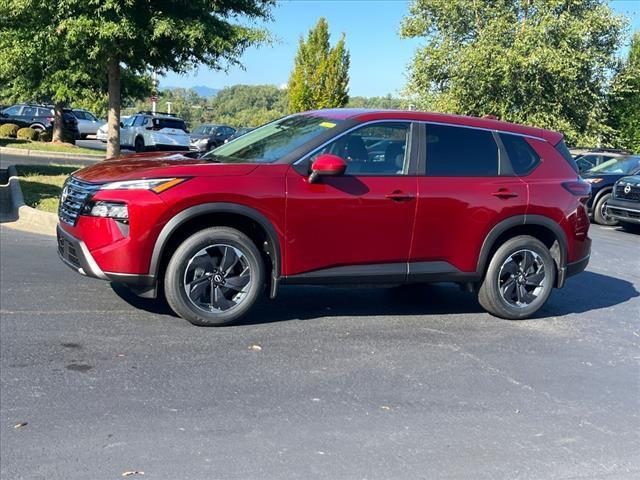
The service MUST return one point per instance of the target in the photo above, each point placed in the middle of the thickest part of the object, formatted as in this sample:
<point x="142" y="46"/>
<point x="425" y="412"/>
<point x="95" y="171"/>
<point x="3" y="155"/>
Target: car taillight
<point x="579" y="188"/>
<point x="50" y="119"/>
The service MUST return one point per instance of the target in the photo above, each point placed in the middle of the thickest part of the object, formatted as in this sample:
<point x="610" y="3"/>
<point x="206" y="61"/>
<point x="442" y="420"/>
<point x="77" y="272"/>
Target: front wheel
<point x="214" y="277"/>
<point x="139" y="145"/>
<point x="600" y="214"/>
<point x="519" y="279"/>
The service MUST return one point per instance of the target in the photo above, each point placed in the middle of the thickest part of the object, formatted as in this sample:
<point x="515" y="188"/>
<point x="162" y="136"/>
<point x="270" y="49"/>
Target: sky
<point x="379" y="57"/>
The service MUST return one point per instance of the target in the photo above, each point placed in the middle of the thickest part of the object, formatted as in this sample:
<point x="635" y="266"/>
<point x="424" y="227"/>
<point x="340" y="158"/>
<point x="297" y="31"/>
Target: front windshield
<point x="273" y="140"/>
<point x="617" y="166"/>
<point x="203" y="130"/>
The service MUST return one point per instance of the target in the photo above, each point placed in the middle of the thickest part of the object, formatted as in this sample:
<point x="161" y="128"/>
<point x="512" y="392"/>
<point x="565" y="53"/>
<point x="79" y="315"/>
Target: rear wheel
<point x="214" y="277"/>
<point x="139" y="144"/>
<point x="519" y="279"/>
<point x="600" y="212"/>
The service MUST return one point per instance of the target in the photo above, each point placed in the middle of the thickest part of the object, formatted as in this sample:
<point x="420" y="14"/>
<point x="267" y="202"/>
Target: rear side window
<point x="522" y="156"/>
<point x="564" y="151"/>
<point x="460" y="152"/>
<point x="169" y="123"/>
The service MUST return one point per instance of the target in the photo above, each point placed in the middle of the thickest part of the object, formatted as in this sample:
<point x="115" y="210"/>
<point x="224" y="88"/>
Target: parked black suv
<point x="624" y="205"/>
<point x="39" y="117"/>
<point x="602" y="178"/>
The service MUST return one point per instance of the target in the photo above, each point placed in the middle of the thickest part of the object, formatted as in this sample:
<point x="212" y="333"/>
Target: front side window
<point x="522" y="156"/>
<point x="461" y="152"/>
<point x="138" y="121"/>
<point x="272" y="141"/>
<point x="79" y="114"/>
<point x="378" y="149"/>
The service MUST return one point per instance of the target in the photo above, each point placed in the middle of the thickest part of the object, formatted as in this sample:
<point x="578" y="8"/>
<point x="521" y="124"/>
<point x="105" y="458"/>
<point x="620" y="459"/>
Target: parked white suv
<point x="148" y="131"/>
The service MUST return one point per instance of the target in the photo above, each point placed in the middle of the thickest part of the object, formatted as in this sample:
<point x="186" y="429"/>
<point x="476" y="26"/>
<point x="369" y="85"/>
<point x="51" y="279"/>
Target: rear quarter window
<point x="522" y="156"/>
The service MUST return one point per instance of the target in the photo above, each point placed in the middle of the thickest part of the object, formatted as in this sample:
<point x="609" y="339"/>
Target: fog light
<point x="110" y="210"/>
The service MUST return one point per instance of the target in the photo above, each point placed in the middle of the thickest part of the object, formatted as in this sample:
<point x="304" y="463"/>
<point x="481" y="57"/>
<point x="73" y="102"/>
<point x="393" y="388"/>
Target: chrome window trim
<point x="425" y="122"/>
<point x="346" y="132"/>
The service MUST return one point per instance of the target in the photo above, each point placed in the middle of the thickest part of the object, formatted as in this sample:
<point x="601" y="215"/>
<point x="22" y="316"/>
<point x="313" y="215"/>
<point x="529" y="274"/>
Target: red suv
<point x="336" y="197"/>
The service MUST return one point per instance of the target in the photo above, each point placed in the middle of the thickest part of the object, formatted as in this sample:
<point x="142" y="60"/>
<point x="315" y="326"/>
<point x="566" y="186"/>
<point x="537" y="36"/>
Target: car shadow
<point x="585" y="292"/>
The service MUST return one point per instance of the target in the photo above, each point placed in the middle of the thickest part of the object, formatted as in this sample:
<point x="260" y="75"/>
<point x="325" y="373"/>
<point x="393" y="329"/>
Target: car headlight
<point x="108" y="210"/>
<point x="156" y="185"/>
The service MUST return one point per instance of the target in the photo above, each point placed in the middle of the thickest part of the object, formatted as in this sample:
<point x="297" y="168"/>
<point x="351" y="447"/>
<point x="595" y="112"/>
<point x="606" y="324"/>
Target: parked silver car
<point x="88" y="124"/>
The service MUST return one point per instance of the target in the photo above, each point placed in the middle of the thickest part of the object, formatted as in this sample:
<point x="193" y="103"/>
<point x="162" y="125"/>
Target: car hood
<point x="154" y="165"/>
<point x="198" y="136"/>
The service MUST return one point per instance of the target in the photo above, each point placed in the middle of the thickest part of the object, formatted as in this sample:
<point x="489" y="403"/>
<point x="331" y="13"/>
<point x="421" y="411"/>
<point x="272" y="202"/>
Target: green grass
<point x="42" y="184"/>
<point x="44" y="146"/>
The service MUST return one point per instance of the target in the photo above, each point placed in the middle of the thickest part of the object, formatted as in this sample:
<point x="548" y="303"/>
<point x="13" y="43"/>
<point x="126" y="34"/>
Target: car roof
<point x="365" y="114"/>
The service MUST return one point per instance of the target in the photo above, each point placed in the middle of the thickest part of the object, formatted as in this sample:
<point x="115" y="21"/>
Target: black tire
<point x="37" y="128"/>
<point x="185" y="256"/>
<point x="83" y="136"/>
<point x="139" y="145"/>
<point x="490" y="295"/>
<point x="599" y="214"/>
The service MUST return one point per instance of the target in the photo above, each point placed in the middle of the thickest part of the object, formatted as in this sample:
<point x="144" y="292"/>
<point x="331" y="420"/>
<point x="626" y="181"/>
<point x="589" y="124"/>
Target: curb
<point x="23" y="216"/>
<point x="23" y="152"/>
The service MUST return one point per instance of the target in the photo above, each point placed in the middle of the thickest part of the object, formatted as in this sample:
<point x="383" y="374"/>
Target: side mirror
<point x="121" y="124"/>
<point x="327" y="165"/>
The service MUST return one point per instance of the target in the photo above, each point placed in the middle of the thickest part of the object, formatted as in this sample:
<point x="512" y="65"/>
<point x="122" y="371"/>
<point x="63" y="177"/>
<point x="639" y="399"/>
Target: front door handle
<point x="399" y="196"/>
<point x="504" y="194"/>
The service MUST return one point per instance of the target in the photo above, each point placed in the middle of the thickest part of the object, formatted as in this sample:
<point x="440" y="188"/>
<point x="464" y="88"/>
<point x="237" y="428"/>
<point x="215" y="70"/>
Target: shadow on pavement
<point x="585" y="292"/>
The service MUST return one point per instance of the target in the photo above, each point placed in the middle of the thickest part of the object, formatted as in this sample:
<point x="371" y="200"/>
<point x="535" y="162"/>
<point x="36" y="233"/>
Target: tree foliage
<point x="387" y="102"/>
<point x="625" y="100"/>
<point x="540" y="62"/>
<point x="103" y="39"/>
<point x="320" y="76"/>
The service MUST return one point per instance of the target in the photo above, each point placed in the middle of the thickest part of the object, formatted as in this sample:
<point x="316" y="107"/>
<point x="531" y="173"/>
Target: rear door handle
<point x="504" y="194"/>
<point x="399" y="196"/>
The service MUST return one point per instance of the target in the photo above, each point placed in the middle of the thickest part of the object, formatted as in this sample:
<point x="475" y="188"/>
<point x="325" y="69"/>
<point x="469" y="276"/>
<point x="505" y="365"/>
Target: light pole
<point x="169" y="107"/>
<point x="154" y="95"/>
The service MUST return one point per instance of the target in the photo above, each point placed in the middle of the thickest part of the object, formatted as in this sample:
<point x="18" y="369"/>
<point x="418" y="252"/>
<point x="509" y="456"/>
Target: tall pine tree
<point x="320" y="77"/>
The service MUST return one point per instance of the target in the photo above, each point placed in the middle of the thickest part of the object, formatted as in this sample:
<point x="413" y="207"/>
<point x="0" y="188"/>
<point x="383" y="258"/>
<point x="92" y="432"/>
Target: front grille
<point x="618" y="212"/>
<point x="633" y="194"/>
<point x="75" y="194"/>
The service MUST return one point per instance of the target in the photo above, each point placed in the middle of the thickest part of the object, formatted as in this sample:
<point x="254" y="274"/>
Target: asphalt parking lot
<point x="346" y="384"/>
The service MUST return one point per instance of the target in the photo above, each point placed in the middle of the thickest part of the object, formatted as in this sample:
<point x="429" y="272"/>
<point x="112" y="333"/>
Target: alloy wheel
<point x="217" y="278"/>
<point x="522" y="278"/>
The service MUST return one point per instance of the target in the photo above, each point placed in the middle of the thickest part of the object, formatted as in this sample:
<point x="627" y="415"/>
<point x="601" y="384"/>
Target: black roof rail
<point x="149" y="112"/>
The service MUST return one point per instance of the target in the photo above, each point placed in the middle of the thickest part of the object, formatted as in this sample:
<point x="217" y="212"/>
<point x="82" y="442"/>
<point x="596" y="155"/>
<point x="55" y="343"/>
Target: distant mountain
<point x="199" y="89"/>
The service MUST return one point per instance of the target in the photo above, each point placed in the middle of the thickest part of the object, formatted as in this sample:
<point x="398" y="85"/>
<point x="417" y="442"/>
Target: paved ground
<point x="349" y="384"/>
<point x="96" y="145"/>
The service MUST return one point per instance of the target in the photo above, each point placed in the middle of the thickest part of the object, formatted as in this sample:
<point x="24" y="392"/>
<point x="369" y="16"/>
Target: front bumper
<point x="623" y="210"/>
<point x="74" y="253"/>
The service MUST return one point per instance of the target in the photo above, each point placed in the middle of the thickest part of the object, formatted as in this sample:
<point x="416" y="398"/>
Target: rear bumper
<point x="623" y="210"/>
<point x="74" y="253"/>
<point x="576" y="267"/>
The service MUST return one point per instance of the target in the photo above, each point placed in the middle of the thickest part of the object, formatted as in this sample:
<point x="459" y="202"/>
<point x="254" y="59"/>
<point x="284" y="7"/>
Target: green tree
<point x="104" y="38"/>
<point x="624" y="100"/>
<point x="320" y="76"/>
<point x="540" y="62"/>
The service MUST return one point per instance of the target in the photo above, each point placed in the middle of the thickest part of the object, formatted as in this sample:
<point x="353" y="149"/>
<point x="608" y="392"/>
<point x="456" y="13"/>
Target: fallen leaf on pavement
<point x="20" y="425"/>
<point x="256" y="348"/>
<point x="385" y="407"/>
<point x="132" y="472"/>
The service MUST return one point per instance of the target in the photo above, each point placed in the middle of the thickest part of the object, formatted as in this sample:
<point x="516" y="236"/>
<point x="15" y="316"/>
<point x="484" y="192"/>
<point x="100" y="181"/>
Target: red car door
<point x="466" y="191"/>
<point x="358" y="225"/>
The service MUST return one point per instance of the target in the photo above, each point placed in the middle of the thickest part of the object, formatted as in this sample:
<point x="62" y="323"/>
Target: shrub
<point x="44" y="136"/>
<point x="9" y="130"/>
<point x="27" y="134"/>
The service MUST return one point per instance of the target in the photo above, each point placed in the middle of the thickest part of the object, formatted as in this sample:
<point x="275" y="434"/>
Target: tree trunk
<point x="56" y="135"/>
<point x="113" y="120"/>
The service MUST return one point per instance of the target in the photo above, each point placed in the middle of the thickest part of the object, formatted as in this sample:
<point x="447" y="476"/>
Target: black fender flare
<point x="219" y="207"/>
<point x="519" y="220"/>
